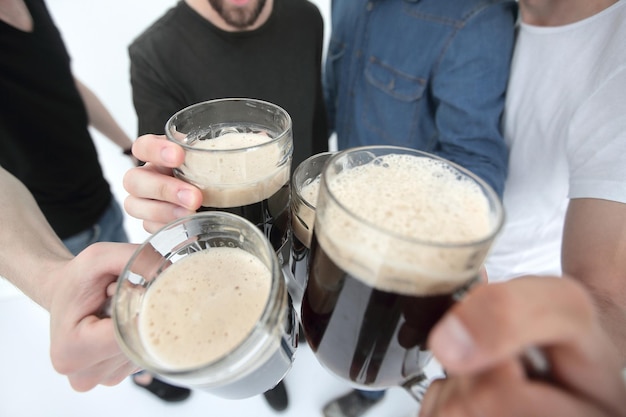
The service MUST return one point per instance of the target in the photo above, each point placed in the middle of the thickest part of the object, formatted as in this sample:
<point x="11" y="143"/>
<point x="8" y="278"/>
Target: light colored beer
<point x="232" y="176"/>
<point x="411" y="217"/>
<point x="203" y="306"/>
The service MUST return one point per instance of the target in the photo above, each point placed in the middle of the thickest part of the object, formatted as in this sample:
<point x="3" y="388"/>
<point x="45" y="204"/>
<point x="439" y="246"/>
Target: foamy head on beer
<point x="203" y="306"/>
<point x="405" y="224"/>
<point x="236" y="168"/>
<point x="302" y="222"/>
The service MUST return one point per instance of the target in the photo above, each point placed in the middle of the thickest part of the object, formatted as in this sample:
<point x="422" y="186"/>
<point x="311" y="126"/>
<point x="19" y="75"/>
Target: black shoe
<point x="164" y="391"/>
<point x="277" y="397"/>
<point x="352" y="404"/>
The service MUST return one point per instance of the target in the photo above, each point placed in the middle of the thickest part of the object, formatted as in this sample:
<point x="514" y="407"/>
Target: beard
<point x="239" y="17"/>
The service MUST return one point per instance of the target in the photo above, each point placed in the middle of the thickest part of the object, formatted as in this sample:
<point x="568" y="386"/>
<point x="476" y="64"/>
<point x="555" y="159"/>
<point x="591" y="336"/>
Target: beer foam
<point x="310" y="191"/>
<point x="420" y="216"/>
<point x="231" y="178"/>
<point x="302" y="222"/>
<point x="203" y="306"/>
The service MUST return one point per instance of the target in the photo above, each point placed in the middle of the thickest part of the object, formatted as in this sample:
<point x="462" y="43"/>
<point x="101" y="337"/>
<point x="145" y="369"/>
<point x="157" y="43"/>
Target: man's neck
<point x="560" y="12"/>
<point x="204" y="9"/>
<point x="16" y="14"/>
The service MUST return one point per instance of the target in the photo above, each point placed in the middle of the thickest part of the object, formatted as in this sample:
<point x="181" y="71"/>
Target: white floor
<point x="97" y="34"/>
<point x="30" y="387"/>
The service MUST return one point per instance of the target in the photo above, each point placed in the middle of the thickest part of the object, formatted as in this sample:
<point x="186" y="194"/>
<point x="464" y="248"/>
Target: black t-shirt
<point x="44" y="136"/>
<point x="183" y="59"/>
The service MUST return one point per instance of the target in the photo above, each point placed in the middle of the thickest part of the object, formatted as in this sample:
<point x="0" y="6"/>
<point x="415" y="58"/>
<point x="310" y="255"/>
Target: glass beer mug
<point x="238" y="151"/>
<point x="203" y="303"/>
<point x="304" y="190"/>
<point x="399" y="236"/>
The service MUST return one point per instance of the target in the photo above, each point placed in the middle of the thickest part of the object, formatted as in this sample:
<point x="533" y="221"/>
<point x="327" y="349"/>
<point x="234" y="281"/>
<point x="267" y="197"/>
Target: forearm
<point x="30" y="248"/>
<point x="594" y="253"/>
<point x="612" y="312"/>
<point x="101" y="119"/>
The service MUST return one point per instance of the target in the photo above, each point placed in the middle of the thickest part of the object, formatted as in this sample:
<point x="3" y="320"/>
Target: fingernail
<point x="168" y="155"/>
<point x="185" y="197"/>
<point x="451" y="342"/>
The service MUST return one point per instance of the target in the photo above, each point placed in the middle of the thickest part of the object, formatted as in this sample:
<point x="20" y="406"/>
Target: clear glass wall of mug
<point x="304" y="190"/>
<point x="399" y="236"/>
<point x="203" y="303"/>
<point x="238" y="152"/>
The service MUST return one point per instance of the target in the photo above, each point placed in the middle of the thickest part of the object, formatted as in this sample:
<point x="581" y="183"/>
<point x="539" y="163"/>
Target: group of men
<point x="528" y="95"/>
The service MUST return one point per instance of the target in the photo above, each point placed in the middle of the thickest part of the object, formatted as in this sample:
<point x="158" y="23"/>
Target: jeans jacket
<point x="424" y="74"/>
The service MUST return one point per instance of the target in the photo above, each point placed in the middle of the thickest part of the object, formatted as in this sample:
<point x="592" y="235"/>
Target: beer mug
<point x="238" y="151"/>
<point x="399" y="236"/>
<point x="304" y="189"/>
<point x="202" y="303"/>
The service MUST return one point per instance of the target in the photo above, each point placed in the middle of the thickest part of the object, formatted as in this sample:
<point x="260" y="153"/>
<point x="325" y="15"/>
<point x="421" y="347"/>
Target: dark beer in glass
<point x="304" y="189"/>
<point x="238" y="152"/>
<point x="399" y="236"/>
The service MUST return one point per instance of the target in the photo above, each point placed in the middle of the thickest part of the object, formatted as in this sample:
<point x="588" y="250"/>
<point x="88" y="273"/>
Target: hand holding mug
<point x="82" y="344"/>
<point x="399" y="237"/>
<point x="236" y="153"/>
<point x="482" y="341"/>
<point x="203" y="303"/>
<point x="155" y="195"/>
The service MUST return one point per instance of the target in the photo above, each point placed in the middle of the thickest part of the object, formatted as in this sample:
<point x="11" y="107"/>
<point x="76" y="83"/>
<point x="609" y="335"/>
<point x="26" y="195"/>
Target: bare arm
<point x="29" y="245"/>
<point x="72" y="289"/>
<point x="594" y="253"/>
<point x="101" y="119"/>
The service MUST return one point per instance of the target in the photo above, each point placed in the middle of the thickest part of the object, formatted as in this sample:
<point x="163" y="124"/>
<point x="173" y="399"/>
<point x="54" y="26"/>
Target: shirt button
<point x="370" y="6"/>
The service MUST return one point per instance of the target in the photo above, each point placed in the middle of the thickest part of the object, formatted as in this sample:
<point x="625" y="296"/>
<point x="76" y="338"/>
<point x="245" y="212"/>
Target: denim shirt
<point x="425" y="74"/>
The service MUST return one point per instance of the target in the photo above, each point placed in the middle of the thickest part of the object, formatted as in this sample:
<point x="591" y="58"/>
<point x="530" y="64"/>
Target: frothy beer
<point x="305" y="186"/>
<point x="232" y="178"/>
<point x="408" y="199"/>
<point x="244" y="173"/>
<point x="203" y="306"/>
<point x="394" y="243"/>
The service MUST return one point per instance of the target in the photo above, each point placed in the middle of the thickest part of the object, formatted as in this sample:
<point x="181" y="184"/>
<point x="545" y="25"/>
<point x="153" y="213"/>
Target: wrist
<point x="48" y="277"/>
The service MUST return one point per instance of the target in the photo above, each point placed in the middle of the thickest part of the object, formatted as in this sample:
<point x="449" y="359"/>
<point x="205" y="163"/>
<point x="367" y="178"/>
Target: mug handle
<point x="534" y="361"/>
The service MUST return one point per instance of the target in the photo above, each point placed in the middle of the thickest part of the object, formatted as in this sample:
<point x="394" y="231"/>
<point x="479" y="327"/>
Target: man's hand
<point x="83" y="344"/>
<point x="155" y="195"/>
<point x="482" y="341"/>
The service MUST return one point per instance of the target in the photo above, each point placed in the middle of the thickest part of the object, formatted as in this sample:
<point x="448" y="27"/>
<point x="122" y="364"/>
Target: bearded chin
<point x="240" y="18"/>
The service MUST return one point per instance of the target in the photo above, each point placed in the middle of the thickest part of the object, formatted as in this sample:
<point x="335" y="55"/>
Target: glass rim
<point x="219" y="361"/>
<point x="300" y="167"/>
<point x="278" y="138"/>
<point x="490" y="194"/>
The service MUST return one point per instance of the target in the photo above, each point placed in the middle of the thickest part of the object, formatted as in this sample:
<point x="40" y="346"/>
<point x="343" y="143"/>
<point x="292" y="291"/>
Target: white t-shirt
<point x="565" y="124"/>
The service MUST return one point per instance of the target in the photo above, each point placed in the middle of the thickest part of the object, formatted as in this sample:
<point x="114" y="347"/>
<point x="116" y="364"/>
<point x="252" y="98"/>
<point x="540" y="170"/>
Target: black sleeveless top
<point x="44" y="136"/>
